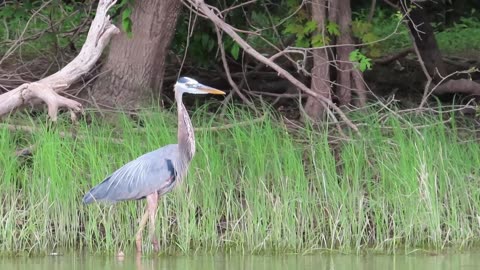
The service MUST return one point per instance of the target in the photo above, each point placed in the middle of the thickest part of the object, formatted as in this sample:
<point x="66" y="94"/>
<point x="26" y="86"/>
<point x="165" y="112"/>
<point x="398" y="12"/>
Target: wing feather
<point x="149" y="173"/>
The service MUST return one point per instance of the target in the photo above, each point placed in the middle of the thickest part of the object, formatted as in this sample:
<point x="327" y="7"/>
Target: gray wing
<point x="149" y="173"/>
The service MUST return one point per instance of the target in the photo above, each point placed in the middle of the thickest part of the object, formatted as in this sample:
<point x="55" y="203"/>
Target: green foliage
<point x="360" y="61"/>
<point x="302" y="31"/>
<point x="319" y="40"/>
<point x="235" y="50"/>
<point x="42" y="26"/>
<point x="363" y="30"/>
<point x="385" y="23"/>
<point x="462" y="36"/>
<point x="125" y="9"/>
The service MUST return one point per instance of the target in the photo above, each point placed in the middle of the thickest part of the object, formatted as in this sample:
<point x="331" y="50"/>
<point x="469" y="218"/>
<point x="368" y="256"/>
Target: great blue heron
<point x="155" y="173"/>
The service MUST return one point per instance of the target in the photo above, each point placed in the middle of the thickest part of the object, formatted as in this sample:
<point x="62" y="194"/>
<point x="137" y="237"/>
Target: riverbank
<point x="254" y="185"/>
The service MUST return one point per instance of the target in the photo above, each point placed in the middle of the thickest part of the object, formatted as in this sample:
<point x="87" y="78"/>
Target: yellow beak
<point x="212" y="91"/>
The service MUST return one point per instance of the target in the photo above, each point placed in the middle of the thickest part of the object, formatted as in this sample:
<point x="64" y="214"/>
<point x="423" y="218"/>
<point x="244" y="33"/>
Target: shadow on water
<point x="468" y="260"/>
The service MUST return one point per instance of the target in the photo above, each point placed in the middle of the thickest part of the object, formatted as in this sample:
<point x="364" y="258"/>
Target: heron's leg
<point x="152" y="204"/>
<point x="138" y="237"/>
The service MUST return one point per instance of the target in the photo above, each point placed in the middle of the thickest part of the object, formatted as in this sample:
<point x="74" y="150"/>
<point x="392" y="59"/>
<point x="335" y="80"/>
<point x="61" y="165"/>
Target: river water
<point x="458" y="261"/>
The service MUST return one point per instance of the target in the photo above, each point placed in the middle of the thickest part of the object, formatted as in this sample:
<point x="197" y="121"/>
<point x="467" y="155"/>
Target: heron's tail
<point x="88" y="198"/>
<point x="97" y="193"/>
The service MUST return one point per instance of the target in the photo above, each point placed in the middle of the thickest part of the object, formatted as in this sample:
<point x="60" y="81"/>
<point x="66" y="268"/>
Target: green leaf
<point x="302" y="42"/>
<point x="310" y="26"/>
<point x="360" y="60"/>
<point x="353" y="56"/>
<point x="333" y="29"/>
<point x="126" y="13"/>
<point x="363" y="66"/>
<point x="318" y="40"/>
<point x="127" y="21"/>
<point x="300" y="35"/>
<point x="127" y="26"/>
<point x="235" y="50"/>
<point x="293" y="29"/>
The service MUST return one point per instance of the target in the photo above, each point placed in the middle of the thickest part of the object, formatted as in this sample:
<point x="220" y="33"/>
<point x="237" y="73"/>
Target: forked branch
<point x="47" y="89"/>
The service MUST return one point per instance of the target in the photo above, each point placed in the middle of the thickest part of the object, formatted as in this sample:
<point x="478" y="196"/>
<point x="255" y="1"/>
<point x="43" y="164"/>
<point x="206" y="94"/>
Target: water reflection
<point x="466" y="261"/>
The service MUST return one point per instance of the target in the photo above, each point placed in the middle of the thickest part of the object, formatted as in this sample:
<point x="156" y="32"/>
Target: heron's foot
<point x="156" y="246"/>
<point x="138" y="242"/>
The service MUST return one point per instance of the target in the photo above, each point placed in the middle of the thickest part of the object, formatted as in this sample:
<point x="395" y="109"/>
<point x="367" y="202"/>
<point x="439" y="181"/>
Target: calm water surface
<point x="469" y="260"/>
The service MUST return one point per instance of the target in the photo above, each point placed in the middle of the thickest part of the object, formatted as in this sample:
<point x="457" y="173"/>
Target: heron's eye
<point x="191" y="85"/>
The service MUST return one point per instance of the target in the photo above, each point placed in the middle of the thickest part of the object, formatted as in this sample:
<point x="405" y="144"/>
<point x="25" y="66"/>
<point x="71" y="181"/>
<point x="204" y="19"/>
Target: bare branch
<point x="238" y="6"/>
<point x="227" y="71"/>
<point x="202" y="7"/>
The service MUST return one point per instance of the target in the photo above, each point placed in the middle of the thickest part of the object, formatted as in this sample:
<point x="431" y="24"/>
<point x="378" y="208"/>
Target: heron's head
<point x="189" y="85"/>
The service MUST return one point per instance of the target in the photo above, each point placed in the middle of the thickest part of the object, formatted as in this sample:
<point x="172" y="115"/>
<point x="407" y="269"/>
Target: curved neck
<point x="186" y="137"/>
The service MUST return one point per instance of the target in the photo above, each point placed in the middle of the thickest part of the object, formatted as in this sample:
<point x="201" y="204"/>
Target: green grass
<point x="251" y="188"/>
<point x="461" y="37"/>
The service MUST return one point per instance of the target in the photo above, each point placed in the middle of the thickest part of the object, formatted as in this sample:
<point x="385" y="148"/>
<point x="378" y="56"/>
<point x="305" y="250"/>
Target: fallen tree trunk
<point x="47" y="89"/>
<point x="464" y="86"/>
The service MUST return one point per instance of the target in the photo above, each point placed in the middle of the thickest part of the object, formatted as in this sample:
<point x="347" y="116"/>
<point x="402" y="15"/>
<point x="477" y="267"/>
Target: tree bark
<point x="314" y="109"/>
<point x="344" y="66"/>
<point x="424" y="38"/>
<point x="348" y="77"/>
<point x="133" y="72"/>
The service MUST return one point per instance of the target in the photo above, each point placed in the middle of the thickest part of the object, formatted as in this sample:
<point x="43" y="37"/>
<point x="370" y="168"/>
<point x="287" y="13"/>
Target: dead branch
<point x="390" y="58"/>
<point x="391" y="4"/>
<point x="424" y="69"/>
<point x="207" y="11"/>
<point x="47" y="89"/>
<point x="453" y="86"/>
